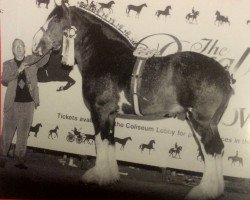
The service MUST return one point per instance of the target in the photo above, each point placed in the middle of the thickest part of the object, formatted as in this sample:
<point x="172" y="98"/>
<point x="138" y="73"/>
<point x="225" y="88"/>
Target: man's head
<point x="18" y="49"/>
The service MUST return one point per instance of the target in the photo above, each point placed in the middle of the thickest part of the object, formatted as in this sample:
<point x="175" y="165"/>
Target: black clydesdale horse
<point x="184" y="82"/>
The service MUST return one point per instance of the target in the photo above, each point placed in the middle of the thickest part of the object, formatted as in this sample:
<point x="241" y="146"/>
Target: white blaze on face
<point x="38" y="37"/>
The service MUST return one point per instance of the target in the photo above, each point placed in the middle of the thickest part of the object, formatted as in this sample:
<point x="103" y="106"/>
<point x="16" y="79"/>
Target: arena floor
<point x="47" y="178"/>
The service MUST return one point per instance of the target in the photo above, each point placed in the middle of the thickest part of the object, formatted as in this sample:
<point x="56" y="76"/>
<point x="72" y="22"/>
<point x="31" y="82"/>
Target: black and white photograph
<point x="125" y="99"/>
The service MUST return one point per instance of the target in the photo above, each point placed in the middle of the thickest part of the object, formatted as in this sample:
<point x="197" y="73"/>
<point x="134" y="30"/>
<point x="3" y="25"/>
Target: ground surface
<point x="47" y="178"/>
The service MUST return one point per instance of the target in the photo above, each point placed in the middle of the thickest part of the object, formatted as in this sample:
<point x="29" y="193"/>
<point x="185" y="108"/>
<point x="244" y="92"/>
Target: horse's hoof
<point x="202" y="192"/>
<point x="99" y="176"/>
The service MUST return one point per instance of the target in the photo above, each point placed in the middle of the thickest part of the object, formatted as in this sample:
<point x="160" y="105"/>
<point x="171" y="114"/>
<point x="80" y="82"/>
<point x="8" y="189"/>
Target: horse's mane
<point x="104" y="25"/>
<point x="58" y="11"/>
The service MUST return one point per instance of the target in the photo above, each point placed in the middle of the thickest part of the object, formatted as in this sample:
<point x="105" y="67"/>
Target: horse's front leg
<point x="105" y="170"/>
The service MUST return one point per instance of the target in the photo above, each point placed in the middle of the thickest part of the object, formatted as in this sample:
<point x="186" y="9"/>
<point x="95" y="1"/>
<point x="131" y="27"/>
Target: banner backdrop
<point x="63" y="112"/>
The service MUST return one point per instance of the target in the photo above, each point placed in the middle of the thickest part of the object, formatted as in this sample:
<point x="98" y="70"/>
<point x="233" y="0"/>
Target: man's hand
<point x="22" y="67"/>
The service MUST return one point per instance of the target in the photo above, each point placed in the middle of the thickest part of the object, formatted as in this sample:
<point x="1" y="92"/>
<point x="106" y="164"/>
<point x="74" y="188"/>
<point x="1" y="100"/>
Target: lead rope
<point x="32" y="63"/>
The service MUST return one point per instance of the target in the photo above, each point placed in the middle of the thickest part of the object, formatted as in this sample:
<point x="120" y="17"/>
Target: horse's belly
<point x="160" y="101"/>
<point x="155" y="108"/>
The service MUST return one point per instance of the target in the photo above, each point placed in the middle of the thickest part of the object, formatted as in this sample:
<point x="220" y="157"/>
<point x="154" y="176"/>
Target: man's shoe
<point x="21" y="166"/>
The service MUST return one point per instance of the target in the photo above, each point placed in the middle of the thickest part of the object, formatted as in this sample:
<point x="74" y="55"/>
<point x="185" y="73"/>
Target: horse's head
<point x="112" y="2"/>
<point x="168" y="8"/>
<point x="145" y="5"/>
<point x="217" y="13"/>
<point x="50" y="35"/>
<point x="40" y="125"/>
<point x="152" y="142"/>
<point x="129" y="138"/>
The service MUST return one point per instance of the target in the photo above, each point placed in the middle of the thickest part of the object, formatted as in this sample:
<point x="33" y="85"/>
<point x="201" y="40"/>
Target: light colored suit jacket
<point x="9" y="79"/>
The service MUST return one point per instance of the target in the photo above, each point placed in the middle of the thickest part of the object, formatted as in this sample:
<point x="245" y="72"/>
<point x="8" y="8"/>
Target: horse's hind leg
<point x="205" y="129"/>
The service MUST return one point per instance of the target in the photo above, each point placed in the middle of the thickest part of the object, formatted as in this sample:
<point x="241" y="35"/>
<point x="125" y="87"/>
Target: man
<point x="21" y="99"/>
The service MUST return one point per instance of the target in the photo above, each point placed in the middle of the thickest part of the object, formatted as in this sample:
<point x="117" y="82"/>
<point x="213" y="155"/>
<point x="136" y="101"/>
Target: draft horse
<point x="184" y="82"/>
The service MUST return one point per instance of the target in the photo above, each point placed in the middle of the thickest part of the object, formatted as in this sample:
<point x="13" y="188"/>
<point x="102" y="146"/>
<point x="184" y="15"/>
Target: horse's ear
<point x="65" y="6"/>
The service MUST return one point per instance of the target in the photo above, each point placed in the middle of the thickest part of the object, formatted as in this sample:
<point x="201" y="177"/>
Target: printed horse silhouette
<point x="38" y="2"/>
<point x="55" y="71"/>
<point x="220" y="19"/>
<point x="122" y="141"/>
<point x="137" y="9"/>
<point x="148" y="146"/>
<point x="53" y="131"/>
<point x="106" y="6"/>
<point x="92" y="6"/>
<point x="35" y="129"/>
<point x="235" y="159"/>
<point x="163" y="12"/>
<point x="89" y="138"/>
<point x="192" y="16"/>
<point x="184" y="82"/>
<point x="248" y="21"/>
<point x="175" y="151"/>
<point x="82" y="4"/>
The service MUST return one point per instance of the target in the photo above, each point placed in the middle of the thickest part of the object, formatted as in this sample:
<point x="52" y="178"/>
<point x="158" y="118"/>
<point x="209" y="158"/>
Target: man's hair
<point x="17" y="40"/>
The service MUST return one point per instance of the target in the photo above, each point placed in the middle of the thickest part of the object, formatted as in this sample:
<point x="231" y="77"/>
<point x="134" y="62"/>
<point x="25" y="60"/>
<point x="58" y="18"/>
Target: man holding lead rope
<point x="21" y="98"/>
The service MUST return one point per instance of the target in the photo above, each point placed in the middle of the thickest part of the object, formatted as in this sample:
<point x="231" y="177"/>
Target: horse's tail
<point x="248" y="21"/>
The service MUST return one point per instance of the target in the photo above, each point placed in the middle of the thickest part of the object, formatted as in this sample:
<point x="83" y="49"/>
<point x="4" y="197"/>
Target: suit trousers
<point x="18" y="118"/>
